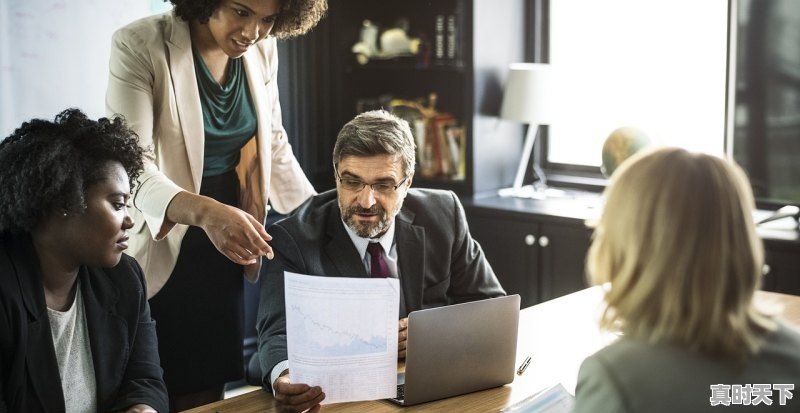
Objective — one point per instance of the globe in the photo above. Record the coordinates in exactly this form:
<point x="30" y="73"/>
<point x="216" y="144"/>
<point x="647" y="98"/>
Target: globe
<point x="620" y="145"/>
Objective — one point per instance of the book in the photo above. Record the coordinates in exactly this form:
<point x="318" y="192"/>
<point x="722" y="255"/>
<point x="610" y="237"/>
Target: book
<point x="443" y="163"/>
<point x="456" y="142"/>
<point x="451" y="39"/>
<point x="439" y="39"/>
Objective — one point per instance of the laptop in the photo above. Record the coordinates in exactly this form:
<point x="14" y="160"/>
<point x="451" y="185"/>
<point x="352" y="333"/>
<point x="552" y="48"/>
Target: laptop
<point x="459" y="349"/>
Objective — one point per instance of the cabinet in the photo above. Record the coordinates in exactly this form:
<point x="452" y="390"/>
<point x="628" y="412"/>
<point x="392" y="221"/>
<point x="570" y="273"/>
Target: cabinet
<point x="536" y="255"/>
<point x="465" y="47"/>
<point x="782" y="264"/>
<point x="538" y="248"/>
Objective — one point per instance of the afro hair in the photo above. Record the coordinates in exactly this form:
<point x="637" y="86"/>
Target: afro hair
<point x="296" y="17"/>
<point x="48" y="166"/>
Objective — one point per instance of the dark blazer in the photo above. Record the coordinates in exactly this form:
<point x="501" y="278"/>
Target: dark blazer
<point x="121" y="334"/>
<point x="438" y="261"/>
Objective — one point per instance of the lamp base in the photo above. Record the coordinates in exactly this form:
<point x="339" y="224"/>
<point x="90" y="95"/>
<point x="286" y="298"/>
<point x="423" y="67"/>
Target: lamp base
<point x="531" y="192"/>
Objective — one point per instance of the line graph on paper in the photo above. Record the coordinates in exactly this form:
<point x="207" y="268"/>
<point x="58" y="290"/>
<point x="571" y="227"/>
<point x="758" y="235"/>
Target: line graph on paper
<point x="332" y="335"/>
<point x="341" y="335"/>
<point x="339" y="321"/>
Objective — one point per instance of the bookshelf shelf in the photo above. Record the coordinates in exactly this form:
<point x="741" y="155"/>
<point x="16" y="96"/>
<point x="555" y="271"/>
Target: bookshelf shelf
<point x="464" y="48"/>
<point x="399" y="66"/>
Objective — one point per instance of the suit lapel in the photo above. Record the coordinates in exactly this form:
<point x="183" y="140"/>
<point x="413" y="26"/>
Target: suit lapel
<point x="110" y="346"/>
<point x="42" y="366"/>
<point x="411" y="257"/>
<point x="40" y="359"/>
<point x="261" y="159"/>
<point x="187" y="96"/>
<point x="340" y="249"/>
<point x="257" y="78"/>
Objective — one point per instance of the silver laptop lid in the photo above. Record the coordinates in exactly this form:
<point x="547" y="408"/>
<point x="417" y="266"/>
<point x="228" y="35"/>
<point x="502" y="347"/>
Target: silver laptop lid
<point x="461" y="348"/>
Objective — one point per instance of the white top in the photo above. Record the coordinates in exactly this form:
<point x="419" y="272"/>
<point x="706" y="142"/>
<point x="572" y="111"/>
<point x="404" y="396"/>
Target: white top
<point x="74" y="356"/>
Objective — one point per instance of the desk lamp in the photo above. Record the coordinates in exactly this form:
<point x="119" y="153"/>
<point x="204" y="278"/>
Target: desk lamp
<point x="528" y="99"/>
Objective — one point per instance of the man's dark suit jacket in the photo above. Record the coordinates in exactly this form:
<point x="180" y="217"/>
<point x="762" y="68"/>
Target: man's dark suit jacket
<point x="438" y="261"/>
<point x="121" y="334"/>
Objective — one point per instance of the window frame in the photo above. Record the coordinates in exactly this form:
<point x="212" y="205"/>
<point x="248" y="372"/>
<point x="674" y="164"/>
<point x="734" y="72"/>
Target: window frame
<point x="757" y="134"/>
<point x="537" y="50"/>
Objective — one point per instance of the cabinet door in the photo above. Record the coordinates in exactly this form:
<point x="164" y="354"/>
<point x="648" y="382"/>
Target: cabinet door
<point x="562" y="253"/>
<point x="510" y="248"/>
<point x="782" y="269"/>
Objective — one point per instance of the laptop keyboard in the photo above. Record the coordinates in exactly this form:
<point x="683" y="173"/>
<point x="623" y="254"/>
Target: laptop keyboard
<point x="401" y="392"/>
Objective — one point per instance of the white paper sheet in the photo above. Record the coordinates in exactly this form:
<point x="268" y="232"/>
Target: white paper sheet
<point x="342" y="335"/>
<point x="555" y="399"/>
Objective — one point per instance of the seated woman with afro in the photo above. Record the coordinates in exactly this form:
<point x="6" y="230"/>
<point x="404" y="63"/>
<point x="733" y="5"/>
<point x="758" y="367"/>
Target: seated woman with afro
<point x="75" y="327"/>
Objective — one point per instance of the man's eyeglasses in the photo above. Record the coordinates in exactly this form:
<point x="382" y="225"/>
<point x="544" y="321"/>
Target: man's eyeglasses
<point x="356" y="185"/>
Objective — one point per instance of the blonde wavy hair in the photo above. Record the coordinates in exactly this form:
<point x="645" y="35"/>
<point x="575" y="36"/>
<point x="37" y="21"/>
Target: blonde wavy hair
<point x="677" y="243"/>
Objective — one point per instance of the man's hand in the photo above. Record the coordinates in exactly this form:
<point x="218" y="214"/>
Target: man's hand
<point x="141" y="408"/>
<point x="402" y="338"/>
<point x="296" y="397"/>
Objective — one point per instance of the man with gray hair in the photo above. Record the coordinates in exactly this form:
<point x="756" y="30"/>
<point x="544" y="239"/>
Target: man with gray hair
<point x="372" y="225"/>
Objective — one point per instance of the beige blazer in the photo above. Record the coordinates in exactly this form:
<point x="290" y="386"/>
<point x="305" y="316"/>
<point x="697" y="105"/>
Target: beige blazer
<point x="152" y="84"/>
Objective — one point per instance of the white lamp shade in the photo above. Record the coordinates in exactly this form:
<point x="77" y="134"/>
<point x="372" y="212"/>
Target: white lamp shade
<point x="528" y="94"/>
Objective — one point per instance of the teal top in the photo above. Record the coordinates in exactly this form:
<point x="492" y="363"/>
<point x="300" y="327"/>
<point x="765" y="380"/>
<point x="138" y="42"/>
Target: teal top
<point x="229" y="117"/>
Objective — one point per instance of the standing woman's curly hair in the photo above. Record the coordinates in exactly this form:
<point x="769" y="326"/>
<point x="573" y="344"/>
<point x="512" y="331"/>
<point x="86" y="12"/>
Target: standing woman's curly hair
<point x="296" y="17"/>
<point x="47" y="166"/>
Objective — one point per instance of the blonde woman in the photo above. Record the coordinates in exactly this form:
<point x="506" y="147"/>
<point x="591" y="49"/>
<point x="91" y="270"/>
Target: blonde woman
<point x="678" y="247"/>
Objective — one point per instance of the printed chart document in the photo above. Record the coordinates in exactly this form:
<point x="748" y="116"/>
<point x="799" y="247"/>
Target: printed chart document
<point x="342" y="335"/>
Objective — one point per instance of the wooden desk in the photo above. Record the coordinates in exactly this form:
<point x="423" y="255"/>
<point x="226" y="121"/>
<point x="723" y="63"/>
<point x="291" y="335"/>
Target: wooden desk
<point x="557" y="334"/>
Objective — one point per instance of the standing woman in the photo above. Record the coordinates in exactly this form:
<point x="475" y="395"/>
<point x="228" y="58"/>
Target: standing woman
<point x="75" y="328"/>
<point x="199" y="87"/>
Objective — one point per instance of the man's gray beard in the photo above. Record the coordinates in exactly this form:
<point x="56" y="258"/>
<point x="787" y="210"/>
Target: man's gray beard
<point x="367" y="230"/>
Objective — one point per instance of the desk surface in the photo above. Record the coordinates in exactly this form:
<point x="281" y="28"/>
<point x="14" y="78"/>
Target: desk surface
<point x="557" y="334"/>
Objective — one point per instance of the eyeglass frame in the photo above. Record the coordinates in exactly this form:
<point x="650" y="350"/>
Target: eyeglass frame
<point x="371" y="186"/>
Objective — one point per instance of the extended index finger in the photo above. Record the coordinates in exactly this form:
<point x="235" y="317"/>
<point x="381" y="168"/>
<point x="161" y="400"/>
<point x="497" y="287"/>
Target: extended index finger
<point x="259" y="238"/>
<point x="259" y="227"/>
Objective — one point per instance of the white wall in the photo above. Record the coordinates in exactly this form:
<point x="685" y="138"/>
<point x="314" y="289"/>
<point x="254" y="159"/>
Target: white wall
<point x="54" y="55"/>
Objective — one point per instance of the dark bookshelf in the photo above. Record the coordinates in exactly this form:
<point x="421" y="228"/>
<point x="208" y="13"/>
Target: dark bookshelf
<point x="466" y="79"/>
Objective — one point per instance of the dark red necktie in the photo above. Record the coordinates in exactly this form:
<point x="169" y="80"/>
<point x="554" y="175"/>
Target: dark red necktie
<point x="377" y="265"/>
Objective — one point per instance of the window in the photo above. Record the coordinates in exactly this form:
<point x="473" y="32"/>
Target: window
<point x="766" y="118"/>
<point x="656" y="65"/>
